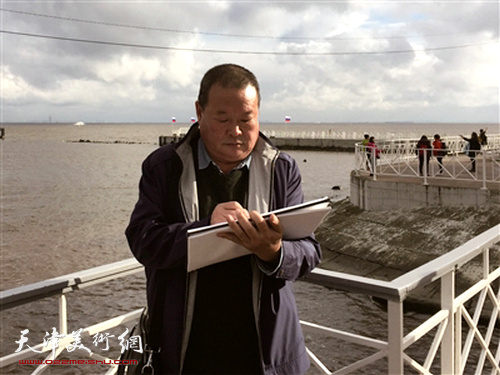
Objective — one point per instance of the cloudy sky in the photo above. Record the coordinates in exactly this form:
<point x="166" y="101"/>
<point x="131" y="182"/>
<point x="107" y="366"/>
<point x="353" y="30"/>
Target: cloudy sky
<point x="321" y="61"/>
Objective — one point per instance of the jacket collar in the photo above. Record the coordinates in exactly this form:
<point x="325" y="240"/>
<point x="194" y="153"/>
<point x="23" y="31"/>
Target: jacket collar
<point x="261" y="174"/>
<point x="204" y="158"/>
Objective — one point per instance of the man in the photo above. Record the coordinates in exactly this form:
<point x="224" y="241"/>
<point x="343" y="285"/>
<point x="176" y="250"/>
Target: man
<point x="473" y="149"/>
<point x="483" y="139"/>
<point x="364" y="143"/>
<point x="238" y="316"/>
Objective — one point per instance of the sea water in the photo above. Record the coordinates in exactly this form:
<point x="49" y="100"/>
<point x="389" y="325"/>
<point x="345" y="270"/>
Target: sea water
<point x="67" y="193"/>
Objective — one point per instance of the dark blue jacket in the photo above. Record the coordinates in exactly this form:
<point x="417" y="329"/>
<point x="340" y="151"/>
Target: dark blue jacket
<point x="167" y="208"/>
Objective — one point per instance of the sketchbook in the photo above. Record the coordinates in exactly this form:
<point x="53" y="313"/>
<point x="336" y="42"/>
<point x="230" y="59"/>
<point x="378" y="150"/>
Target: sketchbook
<point x="205" y="248"/>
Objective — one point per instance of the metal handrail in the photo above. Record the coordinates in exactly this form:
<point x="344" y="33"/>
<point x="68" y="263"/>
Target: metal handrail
<point x="399" y="158"/>
<point x="455" y="259"/>
<point x="395" y="292"/>
<point x="60" y="286"/>
<point x="397" y="289"/>
<point x="67" y="283"/>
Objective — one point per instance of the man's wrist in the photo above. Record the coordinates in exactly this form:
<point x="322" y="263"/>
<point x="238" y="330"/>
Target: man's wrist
<point x="270" y="268"/>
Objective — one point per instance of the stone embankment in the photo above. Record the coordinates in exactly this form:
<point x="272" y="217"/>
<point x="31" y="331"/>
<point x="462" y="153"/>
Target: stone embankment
<point x="386" y="244"/>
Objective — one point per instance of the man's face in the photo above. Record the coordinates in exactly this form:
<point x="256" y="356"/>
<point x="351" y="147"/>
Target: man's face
<point x="229" y="124"/>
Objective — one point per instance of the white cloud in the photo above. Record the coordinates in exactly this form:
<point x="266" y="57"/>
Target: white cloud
<point x="13" y="87"/>
<point x="127" y="68"/>
<point x="38" y="75"/>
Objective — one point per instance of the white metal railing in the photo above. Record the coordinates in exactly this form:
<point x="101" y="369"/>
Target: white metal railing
<point x="401" y="158"/>
<point x="493" y="139"/>
<point x="325" y="134"/>
<point x="449" y="323"/>
<point x="61" y="286"/>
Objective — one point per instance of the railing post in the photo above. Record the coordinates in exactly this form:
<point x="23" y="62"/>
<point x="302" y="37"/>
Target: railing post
<point x="455" y="159"/>
<point x="395" y="337"/>
<point x="374" y="162"/>
<point x="450" y="348"/>
<point x="484" y="167"/>
<point x="63" y="315"/>
<point x="486" y="263"/>
<point x="357" y="158"/>
<point x="426" y="167"/>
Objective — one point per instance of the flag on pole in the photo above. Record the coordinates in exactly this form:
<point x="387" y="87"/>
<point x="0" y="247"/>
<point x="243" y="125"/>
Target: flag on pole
<point x="288" y="119"/>
<point x="174" y="119"/>
<point x="193" y="119"/>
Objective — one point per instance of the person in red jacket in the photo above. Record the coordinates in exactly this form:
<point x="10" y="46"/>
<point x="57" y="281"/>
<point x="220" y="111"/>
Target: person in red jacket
<point x="439" y="151"/>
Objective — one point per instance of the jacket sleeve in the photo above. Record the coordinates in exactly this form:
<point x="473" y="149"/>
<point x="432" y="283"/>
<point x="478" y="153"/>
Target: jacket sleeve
<point x="157" y="230"/>
<point x="299" y="256"/>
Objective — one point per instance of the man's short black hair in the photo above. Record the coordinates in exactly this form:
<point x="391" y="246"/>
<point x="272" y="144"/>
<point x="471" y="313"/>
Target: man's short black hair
<point x="228" y="76"/>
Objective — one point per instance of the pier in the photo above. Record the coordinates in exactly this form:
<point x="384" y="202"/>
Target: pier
<point x="394" y="181"/>
<point x="292" y="143"/>
<point x="294" y="140"/>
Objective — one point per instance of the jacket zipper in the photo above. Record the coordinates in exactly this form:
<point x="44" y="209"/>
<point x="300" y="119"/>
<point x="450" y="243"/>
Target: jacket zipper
<point x="257" y="317"/>
<point x="186" y="295"/>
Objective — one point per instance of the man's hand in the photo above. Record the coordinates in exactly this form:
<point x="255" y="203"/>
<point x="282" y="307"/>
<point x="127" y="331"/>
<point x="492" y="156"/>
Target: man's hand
<point x="223" y="211"/>
<point x="261" y="237"/>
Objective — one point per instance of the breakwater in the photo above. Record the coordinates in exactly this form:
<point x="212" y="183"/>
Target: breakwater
<point x="291" y="143"/>
<point x="385" y="244"/>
